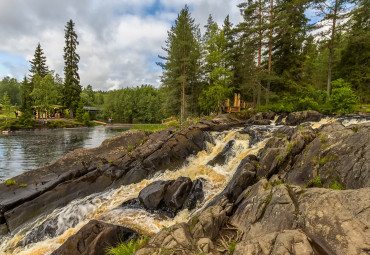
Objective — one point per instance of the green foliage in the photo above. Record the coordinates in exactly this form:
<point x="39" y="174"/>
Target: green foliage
<point x="12" y="88"/>
<point x="134" y="105"/>
<point x="316" y="182"/>
<point x="335" y="185"/>
<point x="44" y="93"/>
<point x="6" y="106"/>
<point x="23" y="185"/>
<point x="86" y="119"/>
<point x="127" y="248"/>
<point x="232" y="246"/>
<point x="343" y="99"/>
<point x="355" y="129"/>
<point x="10" y="182"/>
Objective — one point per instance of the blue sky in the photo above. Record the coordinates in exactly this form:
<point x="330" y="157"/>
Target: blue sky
<point x="119" y="39"/>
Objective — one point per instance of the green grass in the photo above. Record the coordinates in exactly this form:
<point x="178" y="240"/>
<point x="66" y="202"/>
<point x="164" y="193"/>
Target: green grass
<point x="336" y="185"/>
<point x="232" y="246"/>
<point x="128" y="248"/>
<point x="150" y="127"/>
<point x="316" y="182"/>
<point x="23" y="185"/>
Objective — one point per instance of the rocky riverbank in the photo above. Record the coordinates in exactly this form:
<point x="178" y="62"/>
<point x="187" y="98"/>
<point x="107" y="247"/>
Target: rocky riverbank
<point x="281" y="201"/>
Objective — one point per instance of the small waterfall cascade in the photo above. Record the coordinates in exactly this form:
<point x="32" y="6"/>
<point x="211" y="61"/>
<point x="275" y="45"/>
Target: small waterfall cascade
<point x="48" y="232"/>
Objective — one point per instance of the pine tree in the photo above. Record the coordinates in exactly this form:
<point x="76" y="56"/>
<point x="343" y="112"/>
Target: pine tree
<point x="355" y="58"/>
<point x="181" y="73"/>
<point x="72" y="87"/>
<point x="333" y="11"/>
<point x="38" y="63"/>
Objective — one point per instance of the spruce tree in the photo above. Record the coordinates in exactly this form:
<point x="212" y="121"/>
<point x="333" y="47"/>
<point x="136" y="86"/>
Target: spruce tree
<point x="38" y="63"/>
<point x="181" y="72"/>
<point x="26" y="102"/>
<point x="72" y="87"/>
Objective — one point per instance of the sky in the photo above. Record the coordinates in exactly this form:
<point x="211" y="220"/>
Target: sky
<point x="119" y="40"/>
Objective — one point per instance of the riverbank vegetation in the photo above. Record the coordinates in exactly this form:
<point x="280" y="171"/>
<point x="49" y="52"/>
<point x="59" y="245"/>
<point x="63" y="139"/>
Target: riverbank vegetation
<point x="276" y="59"/>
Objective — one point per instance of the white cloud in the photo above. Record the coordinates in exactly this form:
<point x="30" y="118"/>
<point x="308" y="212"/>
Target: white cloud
<point x="119" y="39"/>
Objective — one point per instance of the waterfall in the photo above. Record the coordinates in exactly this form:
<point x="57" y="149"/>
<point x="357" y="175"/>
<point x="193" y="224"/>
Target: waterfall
<point x="48" y="232"/>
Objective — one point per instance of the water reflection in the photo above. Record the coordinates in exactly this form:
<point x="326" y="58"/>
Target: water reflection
<point x="26" y="150"/>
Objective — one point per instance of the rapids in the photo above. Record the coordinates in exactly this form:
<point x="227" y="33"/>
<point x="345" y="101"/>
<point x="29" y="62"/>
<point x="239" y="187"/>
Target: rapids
<point x="48" y="232"/>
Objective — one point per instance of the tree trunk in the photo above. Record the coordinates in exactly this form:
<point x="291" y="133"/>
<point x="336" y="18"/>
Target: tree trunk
<point x="331" y="48"/>
<point x="259" y="53"/>
<point x="270" y="53"/>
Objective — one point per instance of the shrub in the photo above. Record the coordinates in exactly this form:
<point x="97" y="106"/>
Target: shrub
<point x="342" y="99"/>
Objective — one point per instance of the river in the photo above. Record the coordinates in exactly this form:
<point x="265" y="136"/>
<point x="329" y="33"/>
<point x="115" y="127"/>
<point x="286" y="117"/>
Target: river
<point x="22" y="151"/>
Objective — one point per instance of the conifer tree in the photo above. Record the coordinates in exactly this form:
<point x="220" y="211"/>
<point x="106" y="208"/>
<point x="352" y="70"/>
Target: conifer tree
<point x="38" y="63"/>
<point x="333" y="11"/>
<point x="181" y="65"/>
<point x="72" y="87"/>
<point x="355" y="60"/>
<point x="26" y="102"/>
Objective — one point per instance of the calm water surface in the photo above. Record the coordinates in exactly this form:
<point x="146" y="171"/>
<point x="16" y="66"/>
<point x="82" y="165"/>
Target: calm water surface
<point x="26" y="150"/>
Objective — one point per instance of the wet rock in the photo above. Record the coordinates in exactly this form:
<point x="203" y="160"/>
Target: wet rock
<point x="243" y="177"/>
<point x="169" y="196"/>
<point x="3" y="229"/>
<point x="296" y="118"/>
<point x="256" y="134"/>
<point x="177" y="193"/>
<point x="261" y="118"/>
<point x="196" y="194"/>
<point x="221" y="157"/>
<point x="94" y="238"/>
<point x="152" y="195"/>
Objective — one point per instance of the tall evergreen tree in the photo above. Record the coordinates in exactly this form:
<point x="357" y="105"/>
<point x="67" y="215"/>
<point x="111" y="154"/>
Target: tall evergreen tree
<point x="333" y="11"/>
<point x="289" y="40"/>
<point x="72" y="87"/>
<point x="38" y="63"/>
<point x="355" y="58"/>
<point x="181" y="72"/>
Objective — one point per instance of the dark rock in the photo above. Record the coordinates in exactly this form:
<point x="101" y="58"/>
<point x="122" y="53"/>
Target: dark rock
<point x="196" y="194"/>
<point x="152" y="195"/>
<point x="244" y="176"/>
<point x="3" y="229"/>
<point x="338" y="154"/>
<point x="177" y="192"/>
<point x="256" y="134"/>
<point x="168" y="197"/>
<point x="132" y="204"/>
<point x="296" y="118"/>
<point x="94" y="238"/>
<point x="221" y="157"/>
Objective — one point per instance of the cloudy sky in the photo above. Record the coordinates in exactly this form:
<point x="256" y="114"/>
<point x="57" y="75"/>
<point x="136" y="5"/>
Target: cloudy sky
<point x="119" y="39"/>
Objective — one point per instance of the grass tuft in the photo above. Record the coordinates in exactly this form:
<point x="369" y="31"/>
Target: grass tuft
<point x="128" y="248"/>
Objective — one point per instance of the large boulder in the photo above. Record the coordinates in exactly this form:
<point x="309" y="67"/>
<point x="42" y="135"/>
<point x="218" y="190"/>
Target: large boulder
<point x="169" y="197"/>
<point x="94" y="238"/>
<point x="296" y="118"/>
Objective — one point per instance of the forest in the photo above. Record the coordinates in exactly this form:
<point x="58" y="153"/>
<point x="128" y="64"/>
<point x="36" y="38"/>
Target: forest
<point x="286" y="55"/>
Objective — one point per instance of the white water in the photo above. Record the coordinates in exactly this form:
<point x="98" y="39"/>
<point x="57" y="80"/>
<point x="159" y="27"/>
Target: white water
<point x="68" y="220"/>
